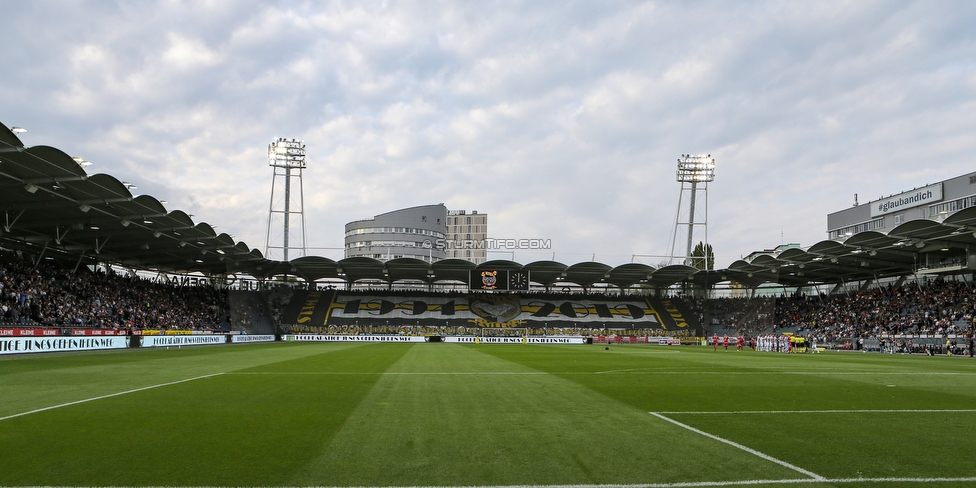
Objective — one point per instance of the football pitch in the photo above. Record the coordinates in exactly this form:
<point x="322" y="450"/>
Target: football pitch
<point x="354" y="414"/>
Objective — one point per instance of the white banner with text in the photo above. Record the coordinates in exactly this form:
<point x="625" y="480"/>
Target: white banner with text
<point x="22" y="345"/>
<point x="187" y="340"/>
<point x="515" y="340"/>
<point x="357" y="338"/>
<point x="239" y="339"/>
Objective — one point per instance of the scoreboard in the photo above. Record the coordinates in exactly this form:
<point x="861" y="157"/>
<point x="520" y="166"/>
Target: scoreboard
<point x="499" y="280"/>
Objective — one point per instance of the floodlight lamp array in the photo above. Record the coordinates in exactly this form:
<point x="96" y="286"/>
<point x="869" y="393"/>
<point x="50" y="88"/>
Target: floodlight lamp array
<point x="284" y="153"/>
<point x="696" y="169"/>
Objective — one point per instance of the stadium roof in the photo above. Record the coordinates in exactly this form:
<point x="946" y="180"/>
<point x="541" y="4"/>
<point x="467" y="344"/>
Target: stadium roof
<point x="53" y="208"/>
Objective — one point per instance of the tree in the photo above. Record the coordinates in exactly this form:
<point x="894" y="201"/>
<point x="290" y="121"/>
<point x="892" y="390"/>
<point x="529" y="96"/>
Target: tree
<point x="703" y="257"/>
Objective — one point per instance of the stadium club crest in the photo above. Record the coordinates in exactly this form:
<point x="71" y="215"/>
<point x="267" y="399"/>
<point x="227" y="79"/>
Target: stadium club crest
<point x="495" y="308"/>
<point x="489" y="279"/>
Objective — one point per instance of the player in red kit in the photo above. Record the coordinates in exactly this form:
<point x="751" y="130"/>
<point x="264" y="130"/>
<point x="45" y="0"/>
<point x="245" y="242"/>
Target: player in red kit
<point x="714" y="342"/>
<point x="725" y="341"/>
<point x="739" y="342"/>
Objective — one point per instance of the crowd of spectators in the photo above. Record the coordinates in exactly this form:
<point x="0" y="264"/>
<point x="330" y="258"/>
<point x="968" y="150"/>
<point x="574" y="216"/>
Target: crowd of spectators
<point x="935" y="307"/>
<point x="49" y="295"/>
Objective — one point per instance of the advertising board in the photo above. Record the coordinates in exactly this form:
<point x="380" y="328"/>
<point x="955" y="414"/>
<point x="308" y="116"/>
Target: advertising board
<point x="24" y="345"/>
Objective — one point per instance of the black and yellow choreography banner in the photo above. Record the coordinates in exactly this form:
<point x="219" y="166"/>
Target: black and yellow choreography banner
<point x="330" y="312"/>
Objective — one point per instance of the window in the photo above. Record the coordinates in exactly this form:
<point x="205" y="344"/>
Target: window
<point x="423" y="218"/>
<point x="953" y="206"/>
<point x="854" y="229"/>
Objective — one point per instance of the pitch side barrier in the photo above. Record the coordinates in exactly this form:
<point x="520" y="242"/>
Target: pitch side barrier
<point x="448" y="339"/>
<point x="29" y="344"/>
<point x="201" y="340"/>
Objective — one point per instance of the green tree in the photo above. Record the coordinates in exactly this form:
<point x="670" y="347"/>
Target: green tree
<point x="703" y="257"/>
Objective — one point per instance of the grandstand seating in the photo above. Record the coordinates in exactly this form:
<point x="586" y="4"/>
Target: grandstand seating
<point x="50" y="296"/>
<point x="885" y="318"/>
<point x="249" y="312"/>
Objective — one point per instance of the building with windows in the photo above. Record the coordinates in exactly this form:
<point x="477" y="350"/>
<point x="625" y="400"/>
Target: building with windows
<point x="413" y="232"/>
<point x="467" y="236"/>
<point x="428" y="232"/>
<point x="933" y="202"/>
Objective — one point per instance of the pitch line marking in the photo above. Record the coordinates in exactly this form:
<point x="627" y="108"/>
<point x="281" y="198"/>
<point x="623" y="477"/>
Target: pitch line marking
<point x="759" y="412"/>
<point x="805" y="373"/>
<point x="688" y="484"/>
<point x="754" y="452"/>
<point x="110" y="395"/>
<point x="634" y="372"/>
<point x="393" y="373"/>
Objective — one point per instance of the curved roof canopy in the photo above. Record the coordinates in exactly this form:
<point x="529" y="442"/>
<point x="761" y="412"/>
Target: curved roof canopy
<point x="49" y="205"/>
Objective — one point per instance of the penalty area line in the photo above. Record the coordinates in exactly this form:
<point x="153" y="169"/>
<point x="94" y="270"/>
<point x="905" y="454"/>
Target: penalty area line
<point x="110" y="395"/>
<point x="754" y="452"/>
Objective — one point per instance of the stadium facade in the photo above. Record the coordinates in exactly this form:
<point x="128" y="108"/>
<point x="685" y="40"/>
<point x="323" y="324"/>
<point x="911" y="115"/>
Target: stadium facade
<point x="932" y="202"/>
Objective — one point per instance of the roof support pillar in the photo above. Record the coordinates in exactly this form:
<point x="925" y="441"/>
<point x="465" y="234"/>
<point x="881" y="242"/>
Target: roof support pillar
<point x="8" y="223"/>
<point x="901" y="281"/>
<point x="41" y="255"/>
<point x="80" y="258"/>
<point x="868" y="282"/>
<point x="836" y="288"/>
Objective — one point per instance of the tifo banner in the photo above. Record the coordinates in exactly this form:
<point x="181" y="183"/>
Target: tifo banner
<point x="22" y="332"/>
<point x="239" y="339"/>
<point x="182" y="340"/>
<point x="22" y="345"/>
<point x="343" y="338"/>
<point x="337" y="312"/>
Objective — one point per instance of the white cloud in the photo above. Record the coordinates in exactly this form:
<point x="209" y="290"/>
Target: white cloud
<point x="560" y="123"/>
<point x="186" y="53"/>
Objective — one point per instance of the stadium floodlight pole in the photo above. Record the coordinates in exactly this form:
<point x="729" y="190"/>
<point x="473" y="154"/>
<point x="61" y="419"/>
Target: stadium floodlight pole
<point x="693" y="169"/>
<point x="287" y="155"/>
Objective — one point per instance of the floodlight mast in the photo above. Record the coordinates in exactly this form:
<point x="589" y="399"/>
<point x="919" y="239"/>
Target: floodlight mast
<point x="286" y="155"/>
<point x="692" y="170"/>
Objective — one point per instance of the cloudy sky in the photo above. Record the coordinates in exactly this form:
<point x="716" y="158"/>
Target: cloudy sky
<point x="561" y="120"/>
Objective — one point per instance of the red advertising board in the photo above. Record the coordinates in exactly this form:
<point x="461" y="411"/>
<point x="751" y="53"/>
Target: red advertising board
<point x="21" y="332"/>
<point x="97" y="332"/>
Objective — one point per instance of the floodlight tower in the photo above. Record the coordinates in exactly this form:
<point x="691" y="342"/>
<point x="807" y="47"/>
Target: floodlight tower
<point x="287" y="157"/>
<point x="692" y="170"/>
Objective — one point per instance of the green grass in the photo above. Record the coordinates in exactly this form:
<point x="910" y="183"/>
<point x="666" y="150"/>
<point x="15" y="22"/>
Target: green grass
<point x="475" y="415"/>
